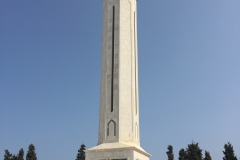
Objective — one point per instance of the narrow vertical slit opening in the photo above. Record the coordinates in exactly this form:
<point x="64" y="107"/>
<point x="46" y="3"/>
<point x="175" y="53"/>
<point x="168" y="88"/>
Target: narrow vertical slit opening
<point x="112" y="81"/>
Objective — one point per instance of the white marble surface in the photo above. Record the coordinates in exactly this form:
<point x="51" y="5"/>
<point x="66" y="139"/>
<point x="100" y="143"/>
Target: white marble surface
<point x="119" y="136"/>
<point x="125" y="92"/>
<point x="116" y="151"/>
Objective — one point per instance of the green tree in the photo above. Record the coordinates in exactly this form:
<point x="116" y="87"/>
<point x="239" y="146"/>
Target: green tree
<point x="81" y="153"/>
<point x="20" y="154"/>
<point x="14" y="157"/>
<point x="229" y="152"/>
<point x="7" y="155"/>
<point x="207" y="156"/>
<point x="193" y="152"/>
<point x="170" y="153"/>
<point x="31" y="155"/>
<point x="182" y="154"/>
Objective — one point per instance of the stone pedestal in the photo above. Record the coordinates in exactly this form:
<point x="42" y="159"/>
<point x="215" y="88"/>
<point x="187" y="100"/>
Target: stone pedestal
<point x="116" y="151"/>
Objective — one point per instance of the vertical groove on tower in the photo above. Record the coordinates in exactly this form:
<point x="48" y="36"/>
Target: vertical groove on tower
<point x="112" y="81"/>
<point x="135" y="57"/>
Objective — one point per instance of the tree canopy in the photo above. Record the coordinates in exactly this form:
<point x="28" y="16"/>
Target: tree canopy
<point x="207" y="156"/>
<point x="192" y="152"/>
<point x="81" y="153"/>
<point x="170" y="153"/>
<point x="7" y="155"/>
<point x="229" y="152"/>
<point x="31" y="155"/>
<point x="182" y="154"/>
<point x="21" y="154"/>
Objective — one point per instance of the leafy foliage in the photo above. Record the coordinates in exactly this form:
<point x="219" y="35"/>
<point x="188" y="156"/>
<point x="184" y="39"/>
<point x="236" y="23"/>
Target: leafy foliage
<point x="21" y="154"/>
<point x="170" y="153"/>
<point x="31" y="155"/>
<point x="182" y="154"/>
<point x="192" y="152"/>
<point x="207" y="156"/>
<point x="7" y="155"/>
<point x="14" y="157"/>
<point x="81" y="153"/>
<point x="229" y="152"/>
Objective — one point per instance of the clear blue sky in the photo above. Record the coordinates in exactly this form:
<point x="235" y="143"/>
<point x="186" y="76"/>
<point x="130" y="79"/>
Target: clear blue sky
<point x="189" y="75"/>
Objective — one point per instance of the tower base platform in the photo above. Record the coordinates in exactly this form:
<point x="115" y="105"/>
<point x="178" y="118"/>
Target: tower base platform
<point x="116" y="151"/>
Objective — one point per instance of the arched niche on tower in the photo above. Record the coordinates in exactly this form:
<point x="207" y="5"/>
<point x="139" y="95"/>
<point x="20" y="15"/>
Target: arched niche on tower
<point x="111" y="128"/>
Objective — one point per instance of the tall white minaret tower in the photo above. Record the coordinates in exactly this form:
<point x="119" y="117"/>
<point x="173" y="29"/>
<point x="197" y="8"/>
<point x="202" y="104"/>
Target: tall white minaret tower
<point x="119" y="136"/>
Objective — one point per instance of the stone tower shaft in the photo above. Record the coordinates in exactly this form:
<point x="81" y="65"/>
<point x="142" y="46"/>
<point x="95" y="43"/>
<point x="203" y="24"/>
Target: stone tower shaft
<point x="119" y="113"/>
<point x="118" y="137"/>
